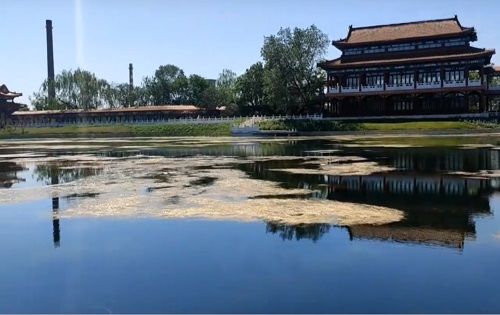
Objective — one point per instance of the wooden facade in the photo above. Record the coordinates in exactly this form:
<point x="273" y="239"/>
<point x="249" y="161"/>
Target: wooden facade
<point x="416" y="68"/>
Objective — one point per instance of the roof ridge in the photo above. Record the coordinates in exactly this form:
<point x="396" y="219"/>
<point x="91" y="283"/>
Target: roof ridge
<point x="405" y="23"/>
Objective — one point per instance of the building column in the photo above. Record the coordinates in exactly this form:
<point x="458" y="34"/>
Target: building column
<point x="362" y="80"/>
<point x="442" y="76"/>
<point x="482" y="102"/>
<point x="415" y="78"/>
<point x="467" y="95"/>
<point x="466" y="75"/>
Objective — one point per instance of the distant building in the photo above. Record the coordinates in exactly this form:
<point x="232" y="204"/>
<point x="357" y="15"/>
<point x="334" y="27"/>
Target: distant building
<point x="7" y="104"/>
<point x="416" y="68"/>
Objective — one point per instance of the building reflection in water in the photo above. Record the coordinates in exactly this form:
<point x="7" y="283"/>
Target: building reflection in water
<point x="8" y="174"/>
<point x="439" y="205"/>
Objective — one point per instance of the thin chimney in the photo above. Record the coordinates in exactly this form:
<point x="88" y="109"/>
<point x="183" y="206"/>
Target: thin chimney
<point x="131" y="75"/>
<point x="50" y="62"/>
<point x="131" y="85"/>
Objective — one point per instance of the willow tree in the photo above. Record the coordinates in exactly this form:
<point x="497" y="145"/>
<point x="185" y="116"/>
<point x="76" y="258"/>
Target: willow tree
<point x="79" y="89"/>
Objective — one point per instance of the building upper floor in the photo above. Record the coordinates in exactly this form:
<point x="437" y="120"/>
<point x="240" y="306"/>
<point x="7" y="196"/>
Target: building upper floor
<point x="404" y="37"/>
<point x="430" y="54"/>
<point x="444" y="77"/>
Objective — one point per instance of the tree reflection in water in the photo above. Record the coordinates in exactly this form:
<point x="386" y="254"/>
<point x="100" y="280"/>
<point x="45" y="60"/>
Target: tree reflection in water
<point x="313" y="232"/>
<point x="62" y="172"/>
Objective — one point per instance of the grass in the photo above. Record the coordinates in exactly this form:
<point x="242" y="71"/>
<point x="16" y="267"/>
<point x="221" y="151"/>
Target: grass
<point x="342" y="126"/>
<point x="430" y="141"/>
<point x="308" y="125"/>
<point x="421" y="125"/>
<point x="223" y="129"/>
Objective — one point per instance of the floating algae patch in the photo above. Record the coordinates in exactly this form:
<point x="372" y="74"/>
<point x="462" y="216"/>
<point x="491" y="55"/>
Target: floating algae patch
<point x="346" y="169"/>
<point x="127" y="188"/>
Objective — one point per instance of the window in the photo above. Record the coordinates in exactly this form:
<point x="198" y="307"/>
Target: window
<point x="429" y="105"/>
<point x="401" y="78"/>
<point x="372" y="80"/>
<point x="350" y="52"/>
<point x="401" y="47"/>
<point x="403" y="105"/>
<point x="352" y="81"/>
<point x="429" y="77"/>
<point x="374" y="49"/>
<point x="454" y="75"/>
<point x="449" y="44"/>
<point x="430" y="45"/>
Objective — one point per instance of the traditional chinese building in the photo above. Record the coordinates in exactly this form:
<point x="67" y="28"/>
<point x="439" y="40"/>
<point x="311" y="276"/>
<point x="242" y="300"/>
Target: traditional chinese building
<point x="7" y="104"/>
<point x="416" y="68"/>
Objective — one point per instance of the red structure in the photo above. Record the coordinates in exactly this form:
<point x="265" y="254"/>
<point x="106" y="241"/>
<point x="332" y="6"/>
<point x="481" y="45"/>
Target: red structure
<point x="415" y="68"/>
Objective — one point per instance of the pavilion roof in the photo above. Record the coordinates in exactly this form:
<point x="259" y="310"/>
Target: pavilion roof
<point x="5" y="93"/>
<point x="403" y="31"/>
<point x="409" y="57"/>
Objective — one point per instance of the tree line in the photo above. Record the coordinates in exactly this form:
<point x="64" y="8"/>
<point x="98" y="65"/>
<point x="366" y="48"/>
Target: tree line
<point x="286" y="81"/>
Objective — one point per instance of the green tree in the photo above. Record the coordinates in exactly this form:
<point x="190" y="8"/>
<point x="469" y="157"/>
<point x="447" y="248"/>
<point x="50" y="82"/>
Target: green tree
<point x="211" y="98"/>
<point x="167" y="85"/>
<point x="250" y="88"/>
<point x="291" y="75"/>
<point x="79" y="89"/>
<point x="226" y="86"/>
<point x="196" y="86"/>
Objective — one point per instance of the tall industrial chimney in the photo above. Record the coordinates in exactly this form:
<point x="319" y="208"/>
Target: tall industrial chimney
<point x="131" y="75"/>
<point x="131" y="84"/>
<point x="50" y="61"/>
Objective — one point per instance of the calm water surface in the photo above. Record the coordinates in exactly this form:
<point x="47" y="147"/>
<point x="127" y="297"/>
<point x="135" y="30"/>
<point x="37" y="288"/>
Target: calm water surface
<point x="442" y="257"/>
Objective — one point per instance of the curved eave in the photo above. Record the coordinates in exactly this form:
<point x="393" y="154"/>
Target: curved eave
<point x="10" y="95"/>
<point x="487" y="53"/>
<point x="343" y="43"/>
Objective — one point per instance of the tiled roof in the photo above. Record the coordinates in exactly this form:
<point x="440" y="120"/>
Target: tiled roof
<point x="391" y="59"/>
<point x="392" y="32"/>
<point x="170" y="108"/>
<point x="405" y="234"/>
<point x="4" y="92"/>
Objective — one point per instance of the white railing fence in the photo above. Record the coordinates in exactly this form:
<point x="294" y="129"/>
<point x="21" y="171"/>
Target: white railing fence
<point x="107" y="121"/>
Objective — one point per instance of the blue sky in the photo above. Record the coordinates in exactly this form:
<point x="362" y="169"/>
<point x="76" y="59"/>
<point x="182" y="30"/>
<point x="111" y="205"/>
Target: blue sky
<point x="199" y="36"/>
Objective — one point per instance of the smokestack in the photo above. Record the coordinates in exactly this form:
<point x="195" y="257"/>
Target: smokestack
<point x="50" y="61"/>
<point x="131" y="75"/>
<point x="131" y="83"/>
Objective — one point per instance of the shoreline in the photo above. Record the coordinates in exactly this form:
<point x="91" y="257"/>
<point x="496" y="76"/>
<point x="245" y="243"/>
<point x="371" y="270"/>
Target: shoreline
<point x="307" y="134"/>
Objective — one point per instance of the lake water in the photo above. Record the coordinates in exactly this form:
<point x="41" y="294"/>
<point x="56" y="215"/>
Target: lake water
<point x="248" y="226"/>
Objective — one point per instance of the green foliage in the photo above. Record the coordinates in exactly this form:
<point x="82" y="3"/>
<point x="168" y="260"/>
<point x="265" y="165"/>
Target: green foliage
<point x="420" y="125"/>
<point x="308" y="125"/>
<point x="490" y="124"/>
<point x="292" y="81"/>
<point x="287" y="81"/>
<point x="250" y="89"/>
<point x="79" y="89"/>
<point x="222" y="129"/>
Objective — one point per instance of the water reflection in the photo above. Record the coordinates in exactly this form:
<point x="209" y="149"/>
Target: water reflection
<point x="439" y="200"/>
<point x="439" y="207"/>
<point x="8" y="174"/>
<point x="62" y="172"/>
